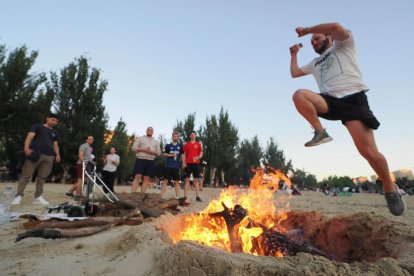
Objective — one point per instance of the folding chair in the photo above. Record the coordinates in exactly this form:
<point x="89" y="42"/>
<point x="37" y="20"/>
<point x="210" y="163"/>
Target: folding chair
<point x="94" y="181"/>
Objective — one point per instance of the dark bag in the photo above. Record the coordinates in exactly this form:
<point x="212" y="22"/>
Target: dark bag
<point x="34" y="156"/>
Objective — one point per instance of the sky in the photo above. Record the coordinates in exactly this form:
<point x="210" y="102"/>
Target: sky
<point x="166" y="59"/>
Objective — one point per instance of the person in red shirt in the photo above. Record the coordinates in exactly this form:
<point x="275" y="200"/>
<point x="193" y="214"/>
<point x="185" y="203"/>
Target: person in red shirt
<point x="193" y="152"/>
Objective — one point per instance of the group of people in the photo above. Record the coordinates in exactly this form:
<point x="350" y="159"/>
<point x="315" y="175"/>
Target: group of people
<point x="187" y="156"/>
<point x="87" y="159"/>
<point x="342" y="96"/>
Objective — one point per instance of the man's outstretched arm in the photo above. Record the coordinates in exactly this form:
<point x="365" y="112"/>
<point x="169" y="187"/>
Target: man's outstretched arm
<point x="336" y="30"/>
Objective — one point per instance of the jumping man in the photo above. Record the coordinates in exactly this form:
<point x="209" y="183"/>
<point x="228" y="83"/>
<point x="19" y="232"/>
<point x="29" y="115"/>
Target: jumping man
<point x="342" y="97"/>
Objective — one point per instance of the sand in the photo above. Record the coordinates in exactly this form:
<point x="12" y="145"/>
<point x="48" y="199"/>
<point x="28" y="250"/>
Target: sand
<point x="144" y="250"/>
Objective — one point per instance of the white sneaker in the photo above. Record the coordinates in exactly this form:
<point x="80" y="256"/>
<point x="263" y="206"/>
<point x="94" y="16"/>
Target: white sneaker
<point x="17" y="200"/>
<point x="40" y="200"/>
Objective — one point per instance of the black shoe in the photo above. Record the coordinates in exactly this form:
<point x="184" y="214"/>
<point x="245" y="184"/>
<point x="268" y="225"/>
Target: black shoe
<point x="69" y="194"/>
<point x="199" y="199"/>
<point x="78" y="198"/>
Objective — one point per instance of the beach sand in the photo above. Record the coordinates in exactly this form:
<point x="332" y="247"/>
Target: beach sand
<point x="144" y="250"/>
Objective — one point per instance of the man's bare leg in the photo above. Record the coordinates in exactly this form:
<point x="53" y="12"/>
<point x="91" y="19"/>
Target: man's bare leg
<point x="145" y="184"/>
<point x="177" y="188"/>
<point x="365" y="142"/>
<point x="196" y="186"/>
<point x="201" y="184"/>
<point x="186" y="186"/>
<point x="79" y="187"/>
<point x="164" y="187"/>
<point x="135" y="183"/>
<point x="309" y="104"/>
<point x="73" y="187"/>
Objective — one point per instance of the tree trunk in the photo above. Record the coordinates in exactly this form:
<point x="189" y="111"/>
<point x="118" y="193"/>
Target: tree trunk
<point x="212" y="176"/>
<point x="222" y="178"/>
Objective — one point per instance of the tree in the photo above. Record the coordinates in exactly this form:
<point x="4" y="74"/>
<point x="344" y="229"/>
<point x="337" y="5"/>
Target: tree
<point x="159" y="161"/>
<point x="210" y="137"/>
<point x="275" y="157"/>
<point x="23" y="101"/>
<point x="249" y="154"/>
<point x="304" y="180"/>
<point x="335" y="181"/>
<point x="228" y="140"/>
<point x="79" y="91"/>
<point x="185" y="127"/>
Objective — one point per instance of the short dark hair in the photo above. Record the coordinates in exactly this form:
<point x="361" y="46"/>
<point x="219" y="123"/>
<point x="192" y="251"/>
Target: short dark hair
<point x="53" y="115"/>
<point x="193" y="131"/>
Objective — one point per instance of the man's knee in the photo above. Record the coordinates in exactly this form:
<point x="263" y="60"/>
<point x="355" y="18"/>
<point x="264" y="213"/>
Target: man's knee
<point x="299" y="95"/>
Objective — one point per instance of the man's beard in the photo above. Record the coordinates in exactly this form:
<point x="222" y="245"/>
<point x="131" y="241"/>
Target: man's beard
<point x="324" y="46"/>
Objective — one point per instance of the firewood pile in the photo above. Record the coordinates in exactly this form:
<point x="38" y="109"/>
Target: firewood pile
<point x="150" y="205"/>
<point x="132" y="209"/>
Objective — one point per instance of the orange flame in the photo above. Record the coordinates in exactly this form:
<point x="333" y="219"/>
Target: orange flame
<point x="260" y="202"/>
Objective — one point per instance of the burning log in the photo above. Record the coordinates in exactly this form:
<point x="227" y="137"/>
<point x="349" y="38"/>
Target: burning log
<point x="232" y="217"/>
<point x="269" y="243"/>
<point x="48" y="233"/>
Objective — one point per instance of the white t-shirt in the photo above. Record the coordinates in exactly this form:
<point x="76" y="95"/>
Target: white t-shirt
<point x="336" y="71"/>
<point x="109" y="166"/>
<point x="146" y="142"/>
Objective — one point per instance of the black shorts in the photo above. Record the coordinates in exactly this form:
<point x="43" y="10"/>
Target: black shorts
<point x="172" y="174"/>
<point x="192" y="169"/>
<point x="350" y="108"/>
<point x="144" y="167"/>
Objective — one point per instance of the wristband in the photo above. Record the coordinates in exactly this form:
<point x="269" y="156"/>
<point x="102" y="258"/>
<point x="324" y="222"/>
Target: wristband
<point x="305" y="31"/>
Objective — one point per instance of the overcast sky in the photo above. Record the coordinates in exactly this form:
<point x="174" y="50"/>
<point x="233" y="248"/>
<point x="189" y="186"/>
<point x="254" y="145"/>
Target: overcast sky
<point x="166" y="59"/>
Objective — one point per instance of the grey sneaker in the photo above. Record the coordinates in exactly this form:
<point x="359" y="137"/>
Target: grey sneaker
<point x="395" y="202"/>
<point x="319" y="138"/>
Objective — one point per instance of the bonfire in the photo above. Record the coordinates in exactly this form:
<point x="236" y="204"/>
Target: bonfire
<point x="246" y="220"/>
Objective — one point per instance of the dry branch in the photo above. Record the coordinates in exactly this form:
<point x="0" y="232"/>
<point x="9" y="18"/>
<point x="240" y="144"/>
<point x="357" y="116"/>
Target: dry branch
<point x="76" y="233"/>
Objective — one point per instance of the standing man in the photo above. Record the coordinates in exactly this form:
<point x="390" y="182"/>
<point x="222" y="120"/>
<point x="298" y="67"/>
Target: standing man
<point x="173" y="152"/>
<point x="111" y="164"/>
<point x="84" y="154"/>
<point x="193" y="152"/>
<point x="147" y="148"/>
<point x="41" y="149"/>
<point x="342" y="97"/>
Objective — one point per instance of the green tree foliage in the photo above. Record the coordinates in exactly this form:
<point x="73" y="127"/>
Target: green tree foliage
<point x="159" y="161"/>
<point x="335" y="181"/>
<point x="304" y="180"/>
<point x="185" y="127"/>
<point x="228" y="140"/>
<point x="210" y="138"/>
<point x="23" y="101"/>
<point x="275" y="157"/>
<point x="249" y="155"/>
<point x="79" y="91"/>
